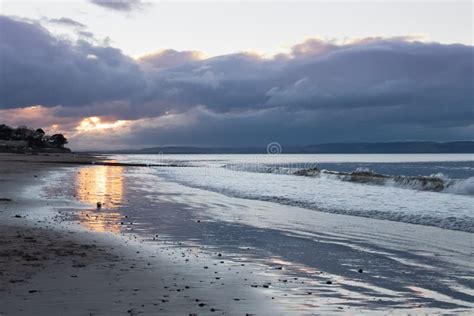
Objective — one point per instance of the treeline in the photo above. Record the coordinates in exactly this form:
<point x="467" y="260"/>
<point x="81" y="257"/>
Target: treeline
<point x="30" y="138"/>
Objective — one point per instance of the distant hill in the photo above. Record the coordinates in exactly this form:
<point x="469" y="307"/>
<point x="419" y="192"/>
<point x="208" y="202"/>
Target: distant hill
<point x="333" y="148"/>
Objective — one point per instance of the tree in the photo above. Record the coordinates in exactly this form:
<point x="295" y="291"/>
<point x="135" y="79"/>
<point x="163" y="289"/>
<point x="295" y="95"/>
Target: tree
<point x="5" y="132"/>
<point x="39" y="133"/>
<point x="37" y="139"/>
<point x="22" y="133"/>
<point x="58" y="140"/>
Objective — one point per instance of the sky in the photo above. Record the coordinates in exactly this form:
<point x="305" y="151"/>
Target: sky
<point x="132" y="74"/>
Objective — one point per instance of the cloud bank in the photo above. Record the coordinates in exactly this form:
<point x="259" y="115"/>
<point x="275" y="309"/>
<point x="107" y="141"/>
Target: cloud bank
<point x="374" y="89"/>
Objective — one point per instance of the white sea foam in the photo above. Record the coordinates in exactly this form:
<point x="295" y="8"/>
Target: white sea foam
<point x="435" y="182"/>
<point x="411" y="199"/>
<point x="333" y="195"/>
<point x="458" y="186"/>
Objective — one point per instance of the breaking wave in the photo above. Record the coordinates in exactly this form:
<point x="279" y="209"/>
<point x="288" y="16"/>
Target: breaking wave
<point x="434" y="183"/>
<point x="458" y="186"/>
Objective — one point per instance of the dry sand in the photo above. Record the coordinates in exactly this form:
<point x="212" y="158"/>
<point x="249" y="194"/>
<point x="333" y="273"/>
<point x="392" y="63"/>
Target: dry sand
<point x="52" y="269"/>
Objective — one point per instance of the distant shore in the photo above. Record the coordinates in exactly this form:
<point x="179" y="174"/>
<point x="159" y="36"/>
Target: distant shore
<point x="414" y="147"/>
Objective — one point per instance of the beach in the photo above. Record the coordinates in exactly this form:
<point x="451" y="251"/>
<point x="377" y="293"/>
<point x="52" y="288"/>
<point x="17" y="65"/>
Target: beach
<point x="50" y="269"/>
<point x="158" y="247"/>
<point x="310" y="158"/>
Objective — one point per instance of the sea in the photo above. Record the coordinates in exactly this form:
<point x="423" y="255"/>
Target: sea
<point x="405" y="220"/>
<point x="425" y="189"/>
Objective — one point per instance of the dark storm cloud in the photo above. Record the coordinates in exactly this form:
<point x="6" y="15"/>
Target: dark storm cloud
<point x="372" y="89"/>
<point x="37" y="68"/>
<point x="422" y="83"/>
<point x="119" y="5"/>
<point x="201" y="127"/>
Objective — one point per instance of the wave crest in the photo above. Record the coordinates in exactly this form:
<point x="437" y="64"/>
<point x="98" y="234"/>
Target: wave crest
<point x="435" y="183"/>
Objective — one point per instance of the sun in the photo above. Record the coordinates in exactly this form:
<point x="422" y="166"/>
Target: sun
<point x="95" y="123"/>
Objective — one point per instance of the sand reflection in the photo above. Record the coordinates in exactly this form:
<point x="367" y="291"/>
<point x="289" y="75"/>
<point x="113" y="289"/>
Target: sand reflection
<point x="101" y="184"/>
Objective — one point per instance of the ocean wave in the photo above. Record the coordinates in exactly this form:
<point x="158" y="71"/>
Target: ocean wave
<point x="435" y="183"/>
<point x="386" y="197"/>
<point x="457" y="186"/>
<point x="460" y="223"/>
<point x="407" y="209"/>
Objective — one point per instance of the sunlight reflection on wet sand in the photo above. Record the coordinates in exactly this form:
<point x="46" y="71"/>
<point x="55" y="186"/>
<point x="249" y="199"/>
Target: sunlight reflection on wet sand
<point x="102" y="184"/>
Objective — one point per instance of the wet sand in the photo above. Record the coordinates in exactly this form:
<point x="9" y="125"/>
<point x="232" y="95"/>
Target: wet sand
<point x="49" y="268"/>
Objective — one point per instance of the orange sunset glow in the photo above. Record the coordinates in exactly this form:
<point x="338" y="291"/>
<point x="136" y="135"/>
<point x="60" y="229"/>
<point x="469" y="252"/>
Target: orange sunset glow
<point x="95" y="123"/>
